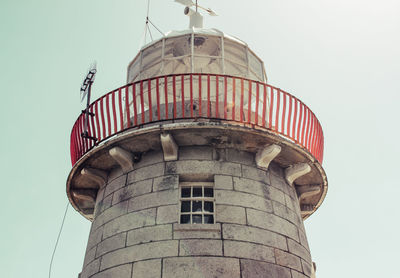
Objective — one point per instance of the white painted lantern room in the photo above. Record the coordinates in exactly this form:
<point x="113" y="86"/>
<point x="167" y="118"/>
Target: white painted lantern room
<point x="196" y="50"/>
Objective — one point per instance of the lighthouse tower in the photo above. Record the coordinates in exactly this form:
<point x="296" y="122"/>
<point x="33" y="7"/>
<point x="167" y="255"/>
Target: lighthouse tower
<point x="197" y="167"/>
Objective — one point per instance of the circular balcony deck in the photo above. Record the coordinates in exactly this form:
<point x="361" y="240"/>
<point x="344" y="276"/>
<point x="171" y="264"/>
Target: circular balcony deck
<point x="254" y="113"/>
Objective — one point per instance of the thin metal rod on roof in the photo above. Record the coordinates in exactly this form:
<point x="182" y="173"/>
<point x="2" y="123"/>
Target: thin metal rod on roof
<point x="156" y="27"/>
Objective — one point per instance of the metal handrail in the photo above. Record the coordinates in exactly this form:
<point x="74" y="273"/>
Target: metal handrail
<point x="193" y="96"/>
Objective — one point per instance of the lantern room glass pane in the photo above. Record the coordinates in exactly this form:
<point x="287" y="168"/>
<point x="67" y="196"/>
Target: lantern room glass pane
<point x="151" y="55"/>
<point x="235" y="52"/>
<point x="207" y="65"/>
<point x="180" y="46"/>
<point x="235" y="69"/>
<point x="133" y="70"/>
<point x="207" y="45"/>
<point x="255" y="65"/>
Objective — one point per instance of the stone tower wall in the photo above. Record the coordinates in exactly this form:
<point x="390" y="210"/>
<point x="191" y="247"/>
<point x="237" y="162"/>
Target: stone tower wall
<point x="258" y="231"/>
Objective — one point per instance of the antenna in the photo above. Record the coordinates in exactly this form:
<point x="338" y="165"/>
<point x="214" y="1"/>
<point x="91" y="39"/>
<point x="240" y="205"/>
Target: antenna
<point x="147" y="27"/>
<point x="86" y="92"/>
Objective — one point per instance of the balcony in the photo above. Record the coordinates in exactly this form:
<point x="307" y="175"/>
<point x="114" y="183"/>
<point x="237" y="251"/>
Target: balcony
<point x="199" y="97"/>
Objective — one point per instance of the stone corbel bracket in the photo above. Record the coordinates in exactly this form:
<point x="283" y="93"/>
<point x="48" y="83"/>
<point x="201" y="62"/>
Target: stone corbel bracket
<point x="303" y="192"/>
<point x="123" y="158"/>
<point x="266" y="155"/>
<point x="295" y="171"/>
<point x="170" y="148"/>
<point x="86" y="195"/>
<point x="95" y="175"/>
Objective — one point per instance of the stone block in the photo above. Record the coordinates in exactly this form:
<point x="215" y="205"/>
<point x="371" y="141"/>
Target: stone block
<point x="248" y="250"/>
<point x="288" y="260"/>
<point x="200" y="247"/>
<point x="201" y="267"/>
<point x="149" y="158"/>
<point x="130" y="221"/>
<point x="151" y="250"/>
<point x="95" y="237"/>
<point x="206" y="231"/>
<point x="203" y="167"/>
<point x="257" y="269"/>
<point x="284" y="212"/>
<point x="289" y="202"/>
<point x="147" y="269"/>
<point x="303" y="240"/>
<point x="272" y="223"/>
<point x="100" y="195"/>
<point x="233" y="198"/>
<point x="147" y="172"/>
<point x="111" y="244"/>
<point x="115" y="185"/>
<point x="156" y="199"/>
<point x="307" y="267"/>
<point x="166" y="183"/>
<point x="253" y="173"/>
<point x="230" y="214"/>
<point x="277" y="195"/>
<point x="280" y="183"/>
<point x="223" y="182"/>
<point x="114" y="173"/>
<point x="251" y="186"/>
<point x="132" y="190"/>
<point x="90" y="269"/>
<point x="111" y="213"/>
<point x="167" y="214"/>
<point x="148" y="234"/>
<point x="195" y="153"/>
<point x="296" y="274"/>
<point x="275" y="169"/>
<point x="299" y="250"/>
<point x="89" y="256"/>
<point x="254" y="235"/>
<point x="241" y="157"/>
<point x="106" y="203"/>
<point x="122" y="271"/>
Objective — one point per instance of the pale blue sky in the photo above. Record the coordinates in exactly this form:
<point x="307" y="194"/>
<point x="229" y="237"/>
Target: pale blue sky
<point x="340" y="57"/>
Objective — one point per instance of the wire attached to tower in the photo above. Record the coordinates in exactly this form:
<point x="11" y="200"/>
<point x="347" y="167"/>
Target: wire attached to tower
<point x="58" y="238"/>
<point x="147" y="27"/>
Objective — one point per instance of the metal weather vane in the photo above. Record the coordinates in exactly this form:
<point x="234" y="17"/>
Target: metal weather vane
<point x="190" y="3"/>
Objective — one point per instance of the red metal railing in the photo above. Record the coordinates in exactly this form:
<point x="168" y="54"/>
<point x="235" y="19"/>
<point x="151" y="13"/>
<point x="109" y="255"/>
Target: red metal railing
<point x="199" y="96"/>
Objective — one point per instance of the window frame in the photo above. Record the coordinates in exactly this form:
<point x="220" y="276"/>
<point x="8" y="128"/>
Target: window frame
<point x="202" y="198"/>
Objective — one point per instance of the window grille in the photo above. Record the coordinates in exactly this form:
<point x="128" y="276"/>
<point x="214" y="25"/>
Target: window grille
<point x="197" y="203"/>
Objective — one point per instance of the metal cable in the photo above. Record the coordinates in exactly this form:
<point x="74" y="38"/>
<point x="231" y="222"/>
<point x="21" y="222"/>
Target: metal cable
<point x="58" y="238"/>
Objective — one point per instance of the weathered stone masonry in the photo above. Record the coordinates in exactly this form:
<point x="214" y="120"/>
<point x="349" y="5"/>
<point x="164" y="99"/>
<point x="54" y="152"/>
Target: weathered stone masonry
<point x="258" y="230"/>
